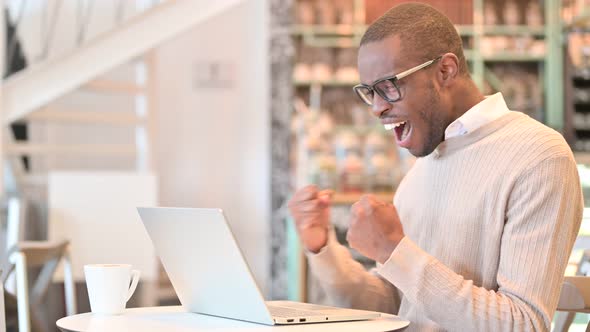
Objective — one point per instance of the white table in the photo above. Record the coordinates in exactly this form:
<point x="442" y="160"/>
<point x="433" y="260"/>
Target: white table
<point x="175" y="318"/>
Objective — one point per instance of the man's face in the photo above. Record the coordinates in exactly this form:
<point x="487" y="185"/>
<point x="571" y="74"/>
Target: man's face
<point x="420" y="110"/>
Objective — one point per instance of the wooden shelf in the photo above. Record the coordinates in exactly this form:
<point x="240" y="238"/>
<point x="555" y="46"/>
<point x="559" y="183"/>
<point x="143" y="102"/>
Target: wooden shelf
<point x="340" y="198"/>
<point x="343" y="30"/>
<point x="470" y="55"/>
<point x="502" y="30"/>
<point x="328" y="83"/>
<point x="514" y="30"/>
<point x="511" y="57"/>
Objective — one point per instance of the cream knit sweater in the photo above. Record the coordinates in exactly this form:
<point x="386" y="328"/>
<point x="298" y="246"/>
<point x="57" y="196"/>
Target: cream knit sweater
<point x="490" y="219"/>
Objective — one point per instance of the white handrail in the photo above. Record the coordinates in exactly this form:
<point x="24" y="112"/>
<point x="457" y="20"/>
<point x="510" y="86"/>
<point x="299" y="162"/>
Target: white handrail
<point x="34" y="87"/>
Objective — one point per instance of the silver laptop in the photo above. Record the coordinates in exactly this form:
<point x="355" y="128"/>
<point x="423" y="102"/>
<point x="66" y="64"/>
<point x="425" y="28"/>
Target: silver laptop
<point x="210" y="275"/>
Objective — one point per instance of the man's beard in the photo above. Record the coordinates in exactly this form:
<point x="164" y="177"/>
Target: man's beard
<point x="435" y="123"/>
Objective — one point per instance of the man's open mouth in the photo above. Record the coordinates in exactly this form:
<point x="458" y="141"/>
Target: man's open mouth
<point x="401" y="129"/>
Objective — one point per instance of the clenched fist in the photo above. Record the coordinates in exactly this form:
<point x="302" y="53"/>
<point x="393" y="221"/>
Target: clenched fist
<point x="375" y="228"/>
<point x="310" y="208"/>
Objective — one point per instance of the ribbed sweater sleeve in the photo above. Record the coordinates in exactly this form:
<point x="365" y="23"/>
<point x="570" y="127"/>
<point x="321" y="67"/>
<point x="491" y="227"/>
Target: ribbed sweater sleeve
<point x="348" y="284"/>
<point x="535" y="245"/>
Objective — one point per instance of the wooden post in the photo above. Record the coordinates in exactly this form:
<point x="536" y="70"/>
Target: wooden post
<point x="554" y="81"/>
<point x="477" y="59"/>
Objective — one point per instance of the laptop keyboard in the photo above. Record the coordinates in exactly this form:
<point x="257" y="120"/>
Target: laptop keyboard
<point x="291" y="312"/>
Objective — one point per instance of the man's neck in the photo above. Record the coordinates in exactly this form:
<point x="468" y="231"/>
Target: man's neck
<point x="469" y="97"/>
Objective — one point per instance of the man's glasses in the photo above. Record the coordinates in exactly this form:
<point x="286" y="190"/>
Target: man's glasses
<point x="386" y="87"/>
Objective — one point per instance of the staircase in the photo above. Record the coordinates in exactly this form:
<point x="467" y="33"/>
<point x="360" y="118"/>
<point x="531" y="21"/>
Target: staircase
<point x="31" y="94"/>
<point x="52" y="96"/>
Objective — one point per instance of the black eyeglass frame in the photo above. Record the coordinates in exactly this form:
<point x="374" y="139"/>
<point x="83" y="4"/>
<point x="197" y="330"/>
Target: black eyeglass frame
<point x="393" y="79"/>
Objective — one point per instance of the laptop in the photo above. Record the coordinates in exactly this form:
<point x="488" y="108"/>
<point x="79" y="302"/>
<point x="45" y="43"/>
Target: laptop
<point x="210" y="276"/>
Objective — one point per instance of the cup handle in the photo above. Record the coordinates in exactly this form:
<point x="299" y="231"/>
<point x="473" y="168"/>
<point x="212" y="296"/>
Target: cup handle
<point x="134" y="280"/>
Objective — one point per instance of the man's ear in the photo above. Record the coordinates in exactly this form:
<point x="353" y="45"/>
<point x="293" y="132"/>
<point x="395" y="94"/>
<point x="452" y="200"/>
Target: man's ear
<point x="448" y="68"/>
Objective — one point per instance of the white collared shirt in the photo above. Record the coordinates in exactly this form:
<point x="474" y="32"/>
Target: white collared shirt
<point x="484" y="112"/>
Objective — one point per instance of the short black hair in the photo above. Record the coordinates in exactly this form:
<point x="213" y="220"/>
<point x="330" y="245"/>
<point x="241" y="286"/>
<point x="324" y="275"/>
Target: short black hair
<point x="424" y="31"/>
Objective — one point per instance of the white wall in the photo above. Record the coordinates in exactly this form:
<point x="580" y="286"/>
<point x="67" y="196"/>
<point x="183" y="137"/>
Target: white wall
<point x="213" y="142"/>
<point x="212" y="147"/>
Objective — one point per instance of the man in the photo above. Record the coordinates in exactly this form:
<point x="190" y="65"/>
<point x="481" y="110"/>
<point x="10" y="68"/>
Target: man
<point x="481" y="227"/>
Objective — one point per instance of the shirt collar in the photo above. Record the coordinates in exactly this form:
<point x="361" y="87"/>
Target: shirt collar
<point x="486" y="111"/>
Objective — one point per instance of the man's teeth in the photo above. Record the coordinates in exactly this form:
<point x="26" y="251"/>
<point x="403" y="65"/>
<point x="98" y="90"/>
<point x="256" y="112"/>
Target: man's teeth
<point x="390" y="126"/>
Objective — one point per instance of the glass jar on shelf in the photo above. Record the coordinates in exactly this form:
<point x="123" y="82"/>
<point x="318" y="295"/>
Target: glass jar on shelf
<point x="346" y="65"/>
<point x="511" y="13"/>
<point x="380" y="173"/>
<point x="378" y="164"/>
<point x="534" y="14"/>
<point x="305" y="12"/>
<point x="302" y="69"/>
<point x="351" y="170"/>
<point x="344" y="12"/>
<point x="522" y="44"/>
<point x="352" y="173"/>
<point x="489" y="13"/>
<point x="346" y="141"/>
<point x="321" y="69"/>
<point x="360" y="116"/>
<point x="325" y="126"/>
<point x="324" y="171"/>
<point x="325" y="13"/>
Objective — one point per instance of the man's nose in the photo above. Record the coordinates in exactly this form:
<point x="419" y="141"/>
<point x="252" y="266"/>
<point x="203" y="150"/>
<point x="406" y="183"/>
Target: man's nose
<point x="380" y="105"/>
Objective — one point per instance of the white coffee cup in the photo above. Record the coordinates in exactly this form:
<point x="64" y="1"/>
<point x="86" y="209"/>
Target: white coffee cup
<point x="108" y="287"/>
